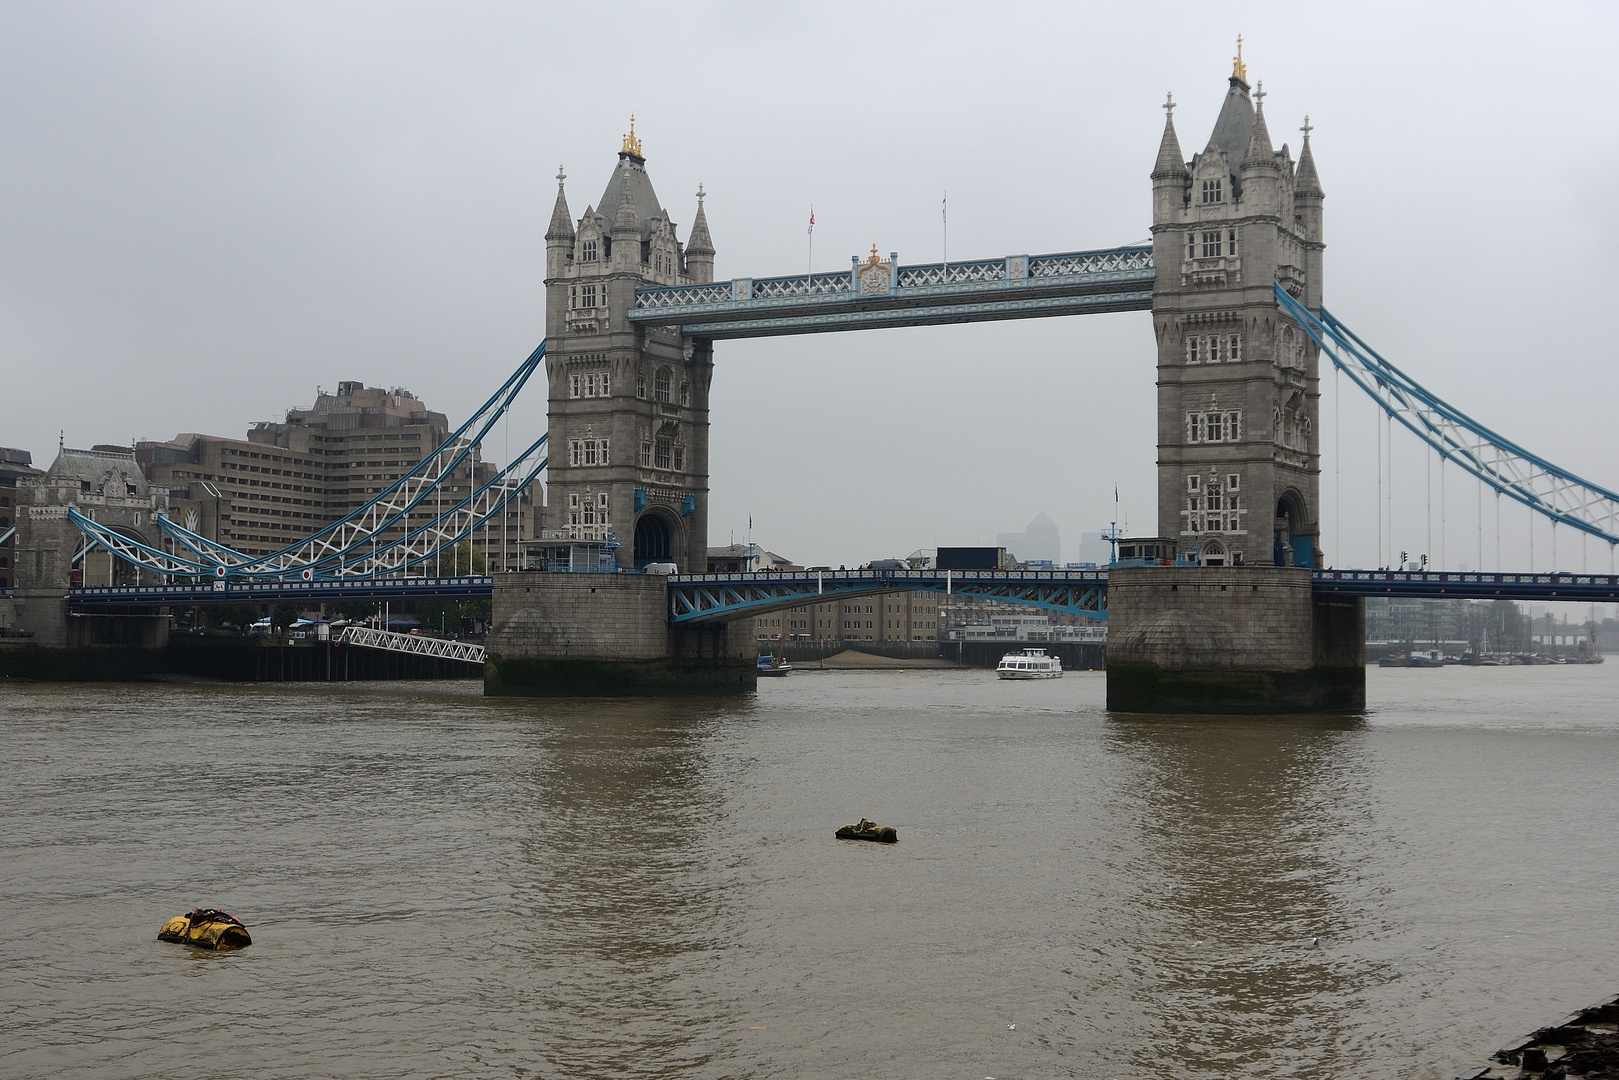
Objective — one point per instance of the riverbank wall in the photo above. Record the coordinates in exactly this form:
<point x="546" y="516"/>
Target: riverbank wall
<point x="226" y="659"/>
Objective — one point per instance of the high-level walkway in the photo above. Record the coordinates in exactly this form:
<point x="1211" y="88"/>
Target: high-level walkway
<point x="879" y="293"/>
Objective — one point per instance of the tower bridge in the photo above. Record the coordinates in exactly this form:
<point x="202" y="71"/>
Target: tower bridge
<point x="1233" y="278"/>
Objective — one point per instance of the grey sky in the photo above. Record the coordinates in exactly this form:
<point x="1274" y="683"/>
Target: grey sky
<point x="208" y="210"/>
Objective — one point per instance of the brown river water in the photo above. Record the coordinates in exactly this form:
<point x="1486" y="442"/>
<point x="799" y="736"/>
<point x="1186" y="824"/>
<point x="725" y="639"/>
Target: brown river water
<point x="440" y="884"/>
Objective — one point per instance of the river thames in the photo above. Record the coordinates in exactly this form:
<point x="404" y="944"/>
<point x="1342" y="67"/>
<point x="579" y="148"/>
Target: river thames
<point x="440" y="884"/>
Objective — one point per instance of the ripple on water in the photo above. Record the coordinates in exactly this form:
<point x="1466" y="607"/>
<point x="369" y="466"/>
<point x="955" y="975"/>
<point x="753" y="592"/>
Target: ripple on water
<point x="442" y="884"/>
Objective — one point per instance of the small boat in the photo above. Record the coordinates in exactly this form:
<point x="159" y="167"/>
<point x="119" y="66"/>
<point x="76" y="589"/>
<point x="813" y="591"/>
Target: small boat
<point x="868" y="830"/>
<point x="1030" y="664"/>
<point x="774" y="665"/>
<point x="206" y="928"/>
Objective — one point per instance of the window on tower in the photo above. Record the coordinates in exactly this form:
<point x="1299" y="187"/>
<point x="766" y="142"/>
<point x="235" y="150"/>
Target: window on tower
<point x="1211" y="191"/>
<point x="1231" y="242"/>
<point x="1211" y="244"/>
<point x="661" y="383"/>
<point x="588" y="250"/>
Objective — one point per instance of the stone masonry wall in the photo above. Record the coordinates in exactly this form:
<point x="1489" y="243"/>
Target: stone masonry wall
<point x="595" y="635"/>
<point x="1203" y="618"/>
<point x="580" y="616"/>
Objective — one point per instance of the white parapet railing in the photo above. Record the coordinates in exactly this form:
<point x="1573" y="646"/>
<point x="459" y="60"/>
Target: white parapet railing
<point x="416" y="644"/>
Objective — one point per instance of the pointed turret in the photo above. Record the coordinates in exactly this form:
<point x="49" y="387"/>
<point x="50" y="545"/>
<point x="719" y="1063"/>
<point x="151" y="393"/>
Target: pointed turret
<point x="1259" y="151"/>
<point x="1261" y="170"/>
<point x="1307" y="199"/>
<point x="700" y="247"/>
<point x="1305" y="180"/>
<point x="559" y="236"/>
<point x="561" y="221"/>
<point x="1169" y="175"/>
<point x="1170" y="165"/>
<point x="626" y="233"/>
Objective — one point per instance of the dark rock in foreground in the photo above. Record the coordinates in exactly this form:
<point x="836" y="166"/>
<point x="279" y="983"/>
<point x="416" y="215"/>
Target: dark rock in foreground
<point x="1584" y="1045"/>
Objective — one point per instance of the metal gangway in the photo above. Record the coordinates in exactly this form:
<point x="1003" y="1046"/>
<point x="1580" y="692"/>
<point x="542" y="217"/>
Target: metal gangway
<point x="415" y="644"/>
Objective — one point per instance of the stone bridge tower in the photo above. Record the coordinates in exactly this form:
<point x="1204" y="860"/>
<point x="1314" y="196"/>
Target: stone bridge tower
<point x="1239" y="460"/>
<point x="628" y="412"/>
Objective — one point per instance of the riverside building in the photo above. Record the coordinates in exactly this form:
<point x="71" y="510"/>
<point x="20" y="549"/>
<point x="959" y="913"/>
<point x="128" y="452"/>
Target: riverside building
<point x="287" y="480"/>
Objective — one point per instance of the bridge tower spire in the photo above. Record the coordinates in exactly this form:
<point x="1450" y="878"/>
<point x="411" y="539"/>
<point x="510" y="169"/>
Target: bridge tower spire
<point x="1238" y="386"/>
<point x="628" y="404"/>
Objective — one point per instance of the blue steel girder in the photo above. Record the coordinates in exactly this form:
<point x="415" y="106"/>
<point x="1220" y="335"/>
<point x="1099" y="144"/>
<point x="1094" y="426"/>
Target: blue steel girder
<point x="1508" y="468"/>
<point x="1588" y="588"/>
<point x="1012" y="287"/>
<point x="259" y="591"/>
<point x="702" y="598"/>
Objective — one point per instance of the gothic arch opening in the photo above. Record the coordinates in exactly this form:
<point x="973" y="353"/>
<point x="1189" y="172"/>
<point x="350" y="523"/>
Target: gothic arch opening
<point x="654" y="539"/>
<point x="1290" y="547"/>
<point x="1213" y="553"/>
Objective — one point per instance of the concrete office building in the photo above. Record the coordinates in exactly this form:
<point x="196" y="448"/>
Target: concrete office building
<point x="289" y="479"/>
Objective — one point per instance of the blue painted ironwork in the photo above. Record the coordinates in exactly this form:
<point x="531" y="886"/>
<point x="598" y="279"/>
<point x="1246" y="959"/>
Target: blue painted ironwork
<point x="1590" y="588"/>
<point x="699" y="598"/>
<point x="310" y="592"/>
<point x="1013" y="287"/>
<point x="7" y="533"/>
<point x="358" y="545"/>
<point x="1505" y="466"/>
<point x="696" y="598"/>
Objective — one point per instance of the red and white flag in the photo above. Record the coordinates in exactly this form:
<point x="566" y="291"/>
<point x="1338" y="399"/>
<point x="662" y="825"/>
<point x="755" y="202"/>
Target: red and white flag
<point x="944" y="207"/>
<point x="812" y="220"/>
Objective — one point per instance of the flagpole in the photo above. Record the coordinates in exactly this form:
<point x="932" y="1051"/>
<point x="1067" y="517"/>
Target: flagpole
<point x="809" y="270"/>
<point x="944" y="213"/>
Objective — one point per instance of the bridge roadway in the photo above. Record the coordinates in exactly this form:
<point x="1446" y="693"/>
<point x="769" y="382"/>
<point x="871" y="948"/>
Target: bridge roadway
<point x="704" y="598"/>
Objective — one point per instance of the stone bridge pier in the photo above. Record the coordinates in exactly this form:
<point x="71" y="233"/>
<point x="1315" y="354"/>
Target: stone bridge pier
<point x="1236" y="639"/>
<point x="607" y="635"/>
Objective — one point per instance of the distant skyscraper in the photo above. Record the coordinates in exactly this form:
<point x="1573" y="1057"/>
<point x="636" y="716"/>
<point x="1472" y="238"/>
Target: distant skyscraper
<point x="1039" y="542"/>
<point x="1093" y="548"/>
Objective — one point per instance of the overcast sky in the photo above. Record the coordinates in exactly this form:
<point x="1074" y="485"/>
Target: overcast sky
<point x="208" y="210"/>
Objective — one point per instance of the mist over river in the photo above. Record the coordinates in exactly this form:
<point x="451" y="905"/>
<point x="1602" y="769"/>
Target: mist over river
<point x="440" y="884"/>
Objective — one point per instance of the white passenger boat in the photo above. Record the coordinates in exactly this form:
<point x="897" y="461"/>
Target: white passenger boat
<point x="1029" y="664"/>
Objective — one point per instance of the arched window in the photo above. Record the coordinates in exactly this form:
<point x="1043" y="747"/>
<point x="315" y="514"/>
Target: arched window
<point x="685" y="392"/>
<point x="660" y="384"/>
<point x="587" y="251"/>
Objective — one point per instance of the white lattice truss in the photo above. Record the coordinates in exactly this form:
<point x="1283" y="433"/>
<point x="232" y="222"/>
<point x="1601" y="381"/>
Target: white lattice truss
<point x="414" y="644"/>
<point x="1501" y="464"/>
<point x="430" y="509"/>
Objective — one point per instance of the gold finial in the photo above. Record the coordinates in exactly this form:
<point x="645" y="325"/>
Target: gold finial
<point x="874" y="257"/>
<point x="632" y="145"/>
<point x="1239" y="70"/>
